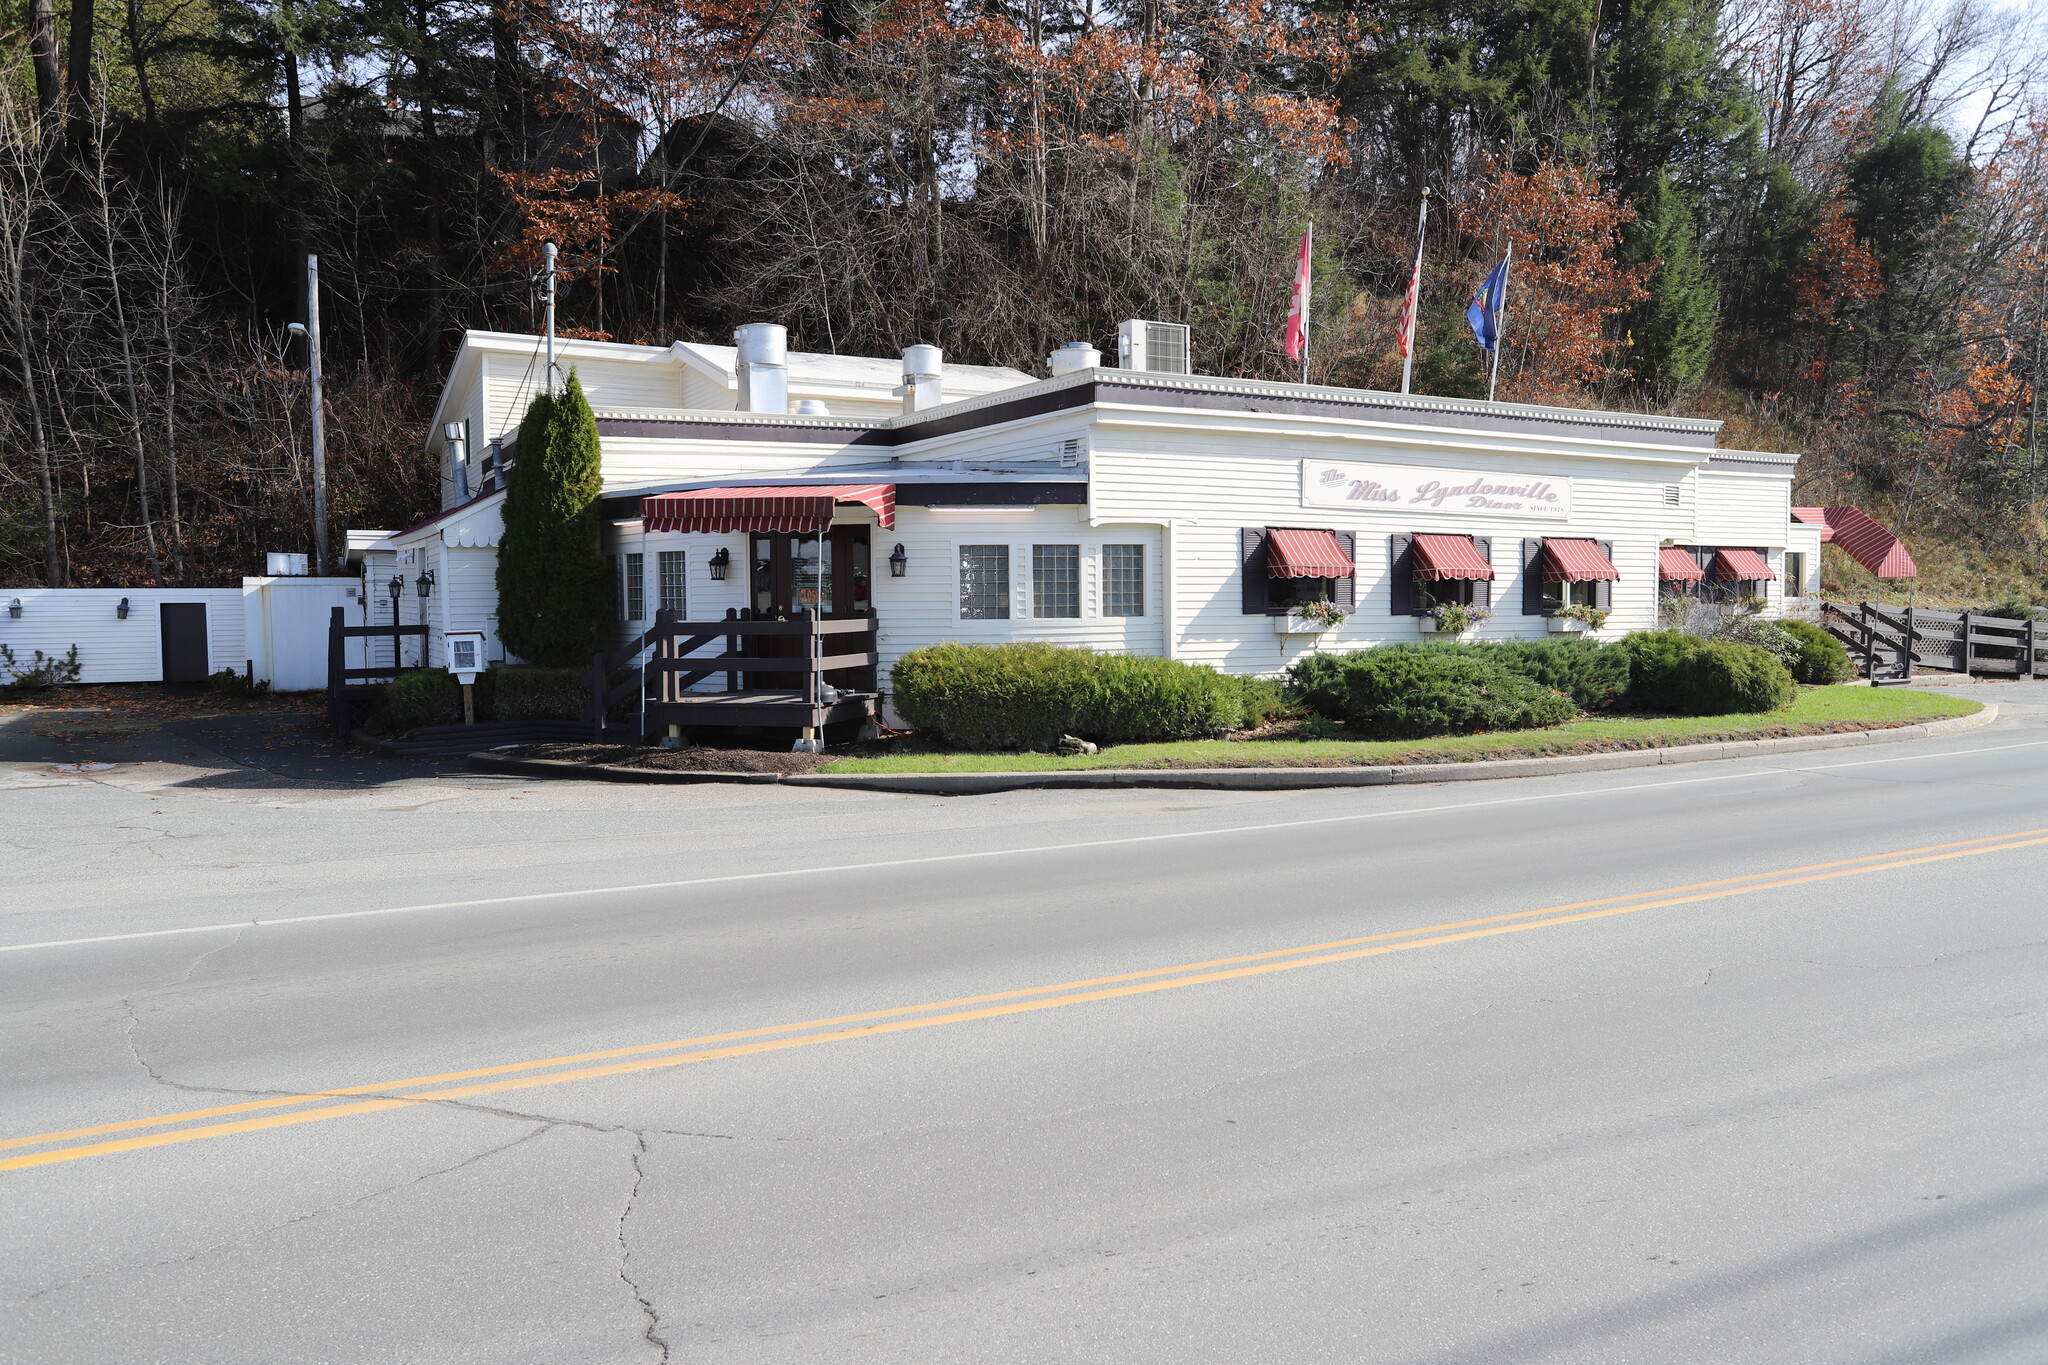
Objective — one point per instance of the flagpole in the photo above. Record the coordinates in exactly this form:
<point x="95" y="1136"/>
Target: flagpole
<point x="1415" y="323"/>
<point x="1305" y="303"/>
<point x="1500" y="326"/>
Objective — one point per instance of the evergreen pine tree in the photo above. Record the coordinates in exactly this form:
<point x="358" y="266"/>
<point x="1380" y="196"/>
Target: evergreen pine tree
<point x="1673" y="329"/>
<point x="556" y="597"/>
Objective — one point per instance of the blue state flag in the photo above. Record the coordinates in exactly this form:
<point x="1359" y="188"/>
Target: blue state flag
<point x="1487" y="305"/>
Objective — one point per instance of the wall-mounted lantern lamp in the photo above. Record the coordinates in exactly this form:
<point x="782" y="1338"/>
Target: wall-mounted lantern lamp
<point x="14" y="607"/>
<point x="721" y="563"/>
<point x="898" y="562"/>
<point x="122" y="610"/>
<point x="425" y="583"/>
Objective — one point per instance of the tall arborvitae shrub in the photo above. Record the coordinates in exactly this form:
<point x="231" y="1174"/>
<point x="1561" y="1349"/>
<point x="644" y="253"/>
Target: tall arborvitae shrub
<point x="556" y="596"/>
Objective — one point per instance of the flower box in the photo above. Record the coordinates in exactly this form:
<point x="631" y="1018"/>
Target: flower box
<point x="1568" y="625"/>
<point x="1429" y="625"/>
<point x="1291" y="624"/>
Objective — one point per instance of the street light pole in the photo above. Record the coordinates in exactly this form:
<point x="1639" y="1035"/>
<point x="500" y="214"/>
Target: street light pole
<point x="310" y="329"/>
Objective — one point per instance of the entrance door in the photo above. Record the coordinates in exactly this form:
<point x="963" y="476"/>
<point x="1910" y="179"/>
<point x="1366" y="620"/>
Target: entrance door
<point x="183" y="628"/>
<point x="788" y="576"/>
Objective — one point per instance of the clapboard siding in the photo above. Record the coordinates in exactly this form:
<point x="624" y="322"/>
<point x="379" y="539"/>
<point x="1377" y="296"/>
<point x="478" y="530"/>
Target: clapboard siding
<point x="112" y="650"/>
<point x="1210" y="485"/>
<point x="636" y="461"/>
<point x="1741" y="509"/>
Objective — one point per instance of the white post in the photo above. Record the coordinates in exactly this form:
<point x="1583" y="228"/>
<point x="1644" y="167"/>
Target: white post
<point x="1415" y="282"/>
<point x="547" y="257"/>
<point x="321" y="564"/>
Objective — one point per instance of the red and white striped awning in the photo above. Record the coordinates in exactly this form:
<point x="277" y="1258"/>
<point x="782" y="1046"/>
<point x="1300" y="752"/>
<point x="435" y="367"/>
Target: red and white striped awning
<point x="1870" y="544"/>
<point x="1438" y="556"/>
<point x="1815" y="516"/>
<point x="1740" y="566"/>
<point x="1576" y="561"/>
<point x="799" y="509"/>
<point x="1678" y="566"/>
<point x="1306" y="554"/>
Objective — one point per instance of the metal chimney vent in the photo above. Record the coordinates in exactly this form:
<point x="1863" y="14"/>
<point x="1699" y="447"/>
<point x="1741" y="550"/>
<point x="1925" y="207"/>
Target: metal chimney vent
<point x="1161" y="347"/>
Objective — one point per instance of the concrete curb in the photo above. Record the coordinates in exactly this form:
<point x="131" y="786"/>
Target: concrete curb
<point x="1254" y="779"/>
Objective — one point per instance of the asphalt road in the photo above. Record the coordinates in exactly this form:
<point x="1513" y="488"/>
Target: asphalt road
<point x="1737" y="1062"/>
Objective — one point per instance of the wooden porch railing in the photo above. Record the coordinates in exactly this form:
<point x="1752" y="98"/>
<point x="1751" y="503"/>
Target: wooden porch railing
<point x="339" y="674"/>
<point x="798" y="680"/>
<point x="1888" y="641"/>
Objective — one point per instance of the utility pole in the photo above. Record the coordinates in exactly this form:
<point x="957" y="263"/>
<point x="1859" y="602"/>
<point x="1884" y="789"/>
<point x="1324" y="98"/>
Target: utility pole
<point x="310" y="330"/>
<point x="547" y="256"/>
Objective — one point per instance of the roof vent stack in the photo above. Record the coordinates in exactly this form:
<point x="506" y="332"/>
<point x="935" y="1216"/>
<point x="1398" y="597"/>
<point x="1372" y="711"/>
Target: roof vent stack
<point x="1161" y="347"/>
<point x="763" y="367"/>
<point x="1073" y="358"/>
<point x="923" y="378"/>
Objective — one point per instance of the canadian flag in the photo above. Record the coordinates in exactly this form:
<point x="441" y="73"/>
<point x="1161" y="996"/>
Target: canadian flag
<point x="1297" y="315"/>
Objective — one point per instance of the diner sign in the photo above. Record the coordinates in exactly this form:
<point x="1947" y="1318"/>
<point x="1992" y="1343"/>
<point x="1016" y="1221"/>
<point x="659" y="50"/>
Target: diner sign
<point x="1411" y="488"/>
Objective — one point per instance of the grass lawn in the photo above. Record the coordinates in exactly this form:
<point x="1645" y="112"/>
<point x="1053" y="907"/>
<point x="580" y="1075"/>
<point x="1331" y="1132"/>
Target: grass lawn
<point x="1819" y="710"/>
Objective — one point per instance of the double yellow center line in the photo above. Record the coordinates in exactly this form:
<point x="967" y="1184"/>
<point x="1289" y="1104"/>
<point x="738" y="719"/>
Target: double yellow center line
<point x="282" y="1111"/>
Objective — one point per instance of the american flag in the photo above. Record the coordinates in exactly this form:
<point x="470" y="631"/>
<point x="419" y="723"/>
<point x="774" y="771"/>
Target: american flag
<point x="1405" y="330"/>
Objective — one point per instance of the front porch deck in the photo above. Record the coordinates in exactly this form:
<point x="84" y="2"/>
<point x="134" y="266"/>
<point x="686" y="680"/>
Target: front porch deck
<point x="663" y="684"/>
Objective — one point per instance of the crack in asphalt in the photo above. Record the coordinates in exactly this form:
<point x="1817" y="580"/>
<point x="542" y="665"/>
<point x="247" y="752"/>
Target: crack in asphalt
<point x="652" y="1331"/>
<point x="294" y="1220"/>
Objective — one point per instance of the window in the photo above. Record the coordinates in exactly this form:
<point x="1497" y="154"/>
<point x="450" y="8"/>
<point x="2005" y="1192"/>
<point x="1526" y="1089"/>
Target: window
<point x="1056" y="580"/>
<point x="675" y="596"/>
<point x="633" y="600"/>
<point x="1584" y="594"/>
<point x="1795" y="573"/>
<point x="1282" y="594"/>
<point x="984" y="582"/>
<point x="1441" y="592"/>
<point x="1123" y="580"/>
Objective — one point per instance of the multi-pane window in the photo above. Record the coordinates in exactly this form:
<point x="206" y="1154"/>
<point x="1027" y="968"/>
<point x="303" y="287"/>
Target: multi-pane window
<point x="1123" y="580"/>
<point x="633" y="600"/>
<point x="674" y="596"/>
<point x="984" y="582"/>
<point x="1056" y="580"/>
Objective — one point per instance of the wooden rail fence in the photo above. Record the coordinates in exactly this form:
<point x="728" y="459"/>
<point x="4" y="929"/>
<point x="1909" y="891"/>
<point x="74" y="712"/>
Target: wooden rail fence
<point x="1888" y="641"/>
<point x="340" y="675"/>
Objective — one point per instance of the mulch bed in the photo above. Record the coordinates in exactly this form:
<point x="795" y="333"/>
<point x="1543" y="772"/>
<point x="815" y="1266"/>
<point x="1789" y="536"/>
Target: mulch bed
<point x="156" y="701"/>
<point x="700" y="760"/>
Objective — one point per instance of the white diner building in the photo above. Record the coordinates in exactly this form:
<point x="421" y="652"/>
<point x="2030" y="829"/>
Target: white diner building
<point x="1125" y="509"/>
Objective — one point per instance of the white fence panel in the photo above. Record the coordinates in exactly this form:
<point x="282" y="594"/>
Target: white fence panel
<point x="286" y="620"/>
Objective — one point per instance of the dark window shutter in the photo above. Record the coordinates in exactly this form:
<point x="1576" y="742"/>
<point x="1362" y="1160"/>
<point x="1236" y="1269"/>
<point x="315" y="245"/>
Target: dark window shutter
<point x="1532" y="578"/>
<point x="1401" y="570"/>
<point x="1482" y="588"/>
<point x="1346" y="589"/>
<point x="1603" y="591"/>
<point x="1251" y="544"/>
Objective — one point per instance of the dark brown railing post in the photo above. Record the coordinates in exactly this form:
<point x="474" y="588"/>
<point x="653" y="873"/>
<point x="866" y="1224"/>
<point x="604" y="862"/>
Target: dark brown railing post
<point x="1869" y="645"/>
<point x="1909" y="644"/>
<point x="1963" y="634"/>
<point x="733" y="681"/>
<point x="2027" y="668"/>
<point x="337" y="665"/>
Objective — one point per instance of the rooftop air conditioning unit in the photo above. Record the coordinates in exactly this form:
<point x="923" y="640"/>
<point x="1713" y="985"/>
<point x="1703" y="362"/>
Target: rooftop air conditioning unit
<point x="1161" y="347"/>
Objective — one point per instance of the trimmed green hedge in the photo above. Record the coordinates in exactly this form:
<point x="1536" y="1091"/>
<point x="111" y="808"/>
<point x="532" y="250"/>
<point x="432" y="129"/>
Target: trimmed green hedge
<point x="1822" y="658"/>
<point x="1026" y="695"/>
<point x="423" y="696"/>
<point x="1681" y="674"/>
<point x="524" y="693"/>
<point x="1417" y="693"/>
<point x="1593" y="675"/>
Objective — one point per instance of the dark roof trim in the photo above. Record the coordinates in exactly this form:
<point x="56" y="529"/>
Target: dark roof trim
<point x="1366" y="407"/>
<point x="626" y="506"/>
